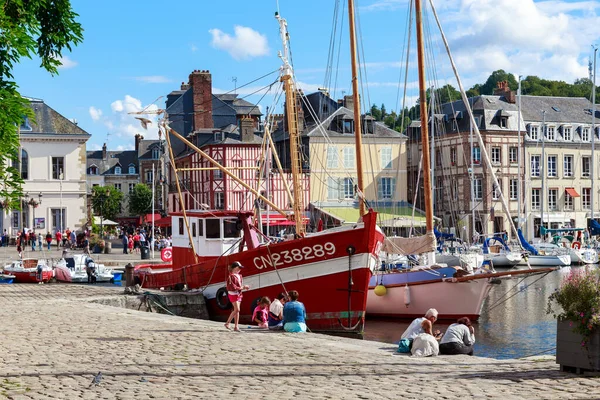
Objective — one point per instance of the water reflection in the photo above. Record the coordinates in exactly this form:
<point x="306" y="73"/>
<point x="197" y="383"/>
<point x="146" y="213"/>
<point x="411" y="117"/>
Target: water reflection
<point x="513" y="322"/>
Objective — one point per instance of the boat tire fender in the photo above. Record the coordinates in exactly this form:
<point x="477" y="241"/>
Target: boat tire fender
<point x="576" y="245"/>
<point x="222" y="299"/>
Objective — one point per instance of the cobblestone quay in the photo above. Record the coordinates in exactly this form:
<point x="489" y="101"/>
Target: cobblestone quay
<point x="55" y="341"/>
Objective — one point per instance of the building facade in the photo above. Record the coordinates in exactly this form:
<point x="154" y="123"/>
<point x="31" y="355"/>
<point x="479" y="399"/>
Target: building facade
<point x="52" y="165"/>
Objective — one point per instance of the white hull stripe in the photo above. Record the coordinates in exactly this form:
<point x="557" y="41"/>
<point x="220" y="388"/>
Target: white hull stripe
<point x="301" y="272"/>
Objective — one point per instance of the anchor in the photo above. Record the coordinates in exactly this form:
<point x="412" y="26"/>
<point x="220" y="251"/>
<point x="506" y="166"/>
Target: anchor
<point x="350" y="250"/>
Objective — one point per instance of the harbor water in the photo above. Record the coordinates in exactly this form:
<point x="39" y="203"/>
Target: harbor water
<point x="513" y="322"/>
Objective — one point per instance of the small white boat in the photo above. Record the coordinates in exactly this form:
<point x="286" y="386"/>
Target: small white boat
<point x="504" y="260"/>
<point x="73" y="270"/>
<point x="26" y="270"/>
<point x="558" y="260"/>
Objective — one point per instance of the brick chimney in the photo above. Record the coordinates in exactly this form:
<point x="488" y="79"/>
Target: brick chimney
<point x="247" y="129"/>
<point x="104" y="156"/>
<point x="201" y="83"/>
<point x="349" y="102"/>
<point x="138" y="139"/>
<point x="502" y="89"/>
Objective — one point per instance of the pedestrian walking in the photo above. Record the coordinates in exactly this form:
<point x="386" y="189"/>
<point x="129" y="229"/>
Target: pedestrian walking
<point x="58" y="238"/>
<point x="32" y="238"/>
<point x="48" y="239"/>
<point x="40" y="239"/>
<point x="125" y="243"/>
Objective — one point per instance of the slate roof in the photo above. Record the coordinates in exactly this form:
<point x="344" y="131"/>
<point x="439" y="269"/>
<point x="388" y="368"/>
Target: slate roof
<point x="114" y="158"/>
<point x="49" y="121"/>
<point x="146" y="146"/>
<point x="570" y="109"/>
<point x="241" y="106"/>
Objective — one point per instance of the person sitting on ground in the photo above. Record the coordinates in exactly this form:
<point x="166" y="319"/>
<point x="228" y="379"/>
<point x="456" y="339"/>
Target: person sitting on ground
<point x="294" y="314"/>
<point x="261" y="313"/>
<point x="276" y="312"/>
<point x="422" y="325"/>
<point x="459" y="338"/>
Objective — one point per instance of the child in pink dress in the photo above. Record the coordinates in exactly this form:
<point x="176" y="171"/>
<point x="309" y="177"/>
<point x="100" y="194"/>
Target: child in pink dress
<point x="235" y="286"/>
<point x="261" y="313"/>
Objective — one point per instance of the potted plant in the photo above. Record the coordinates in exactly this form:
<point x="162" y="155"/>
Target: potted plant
<point x="578" y="320"/>
<point x="96" y="243"/>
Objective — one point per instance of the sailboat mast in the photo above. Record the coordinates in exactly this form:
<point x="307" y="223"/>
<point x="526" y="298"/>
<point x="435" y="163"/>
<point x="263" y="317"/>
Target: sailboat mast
<point x="432" y="150"/>
<point x="423" y="109"/>
<point x="593" y="163"/>
<point x="356" y="102"/>
<point x="292" y="124"/>
<point x="519" y="156"/>
<point x="543" y="169"/>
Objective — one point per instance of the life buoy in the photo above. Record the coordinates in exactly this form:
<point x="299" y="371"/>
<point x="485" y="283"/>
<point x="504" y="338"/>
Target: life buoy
<point x="222" y="299"/>
<point x="576" y="245"/>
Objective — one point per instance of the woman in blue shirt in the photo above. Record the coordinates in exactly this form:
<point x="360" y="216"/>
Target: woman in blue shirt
<point x="294" y="314"/>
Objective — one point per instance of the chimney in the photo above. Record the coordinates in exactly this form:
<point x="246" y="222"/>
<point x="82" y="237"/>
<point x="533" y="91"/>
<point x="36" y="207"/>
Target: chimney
<point x="138" y="139"/>
<point x="201" y="83"/>
<point x="502" y="89"/>
<point x="349" y="102"/>
<point x="247" y="129"/>
<point x="104" y="157"/>
<point x="185" y="86"/>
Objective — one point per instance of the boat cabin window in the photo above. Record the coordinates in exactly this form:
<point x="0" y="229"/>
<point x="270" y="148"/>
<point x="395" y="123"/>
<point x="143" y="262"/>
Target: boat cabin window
<point x="193" y="229"/>
<point x="230" y="228"/>
<point x="213" y="228"/>
<point x="70" y="262"/>
<point x="200" y="227"/>
<point x="181" y="226"/>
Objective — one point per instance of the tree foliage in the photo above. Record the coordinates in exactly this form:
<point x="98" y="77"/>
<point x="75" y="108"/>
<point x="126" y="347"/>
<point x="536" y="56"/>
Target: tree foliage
<point x="106" y="201"/>
<point x="28" y="28"/>
<point x="140" y="200"/>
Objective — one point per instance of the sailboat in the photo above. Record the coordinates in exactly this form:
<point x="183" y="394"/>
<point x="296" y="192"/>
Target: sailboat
<point x="330" y="269"/>
<point x="454" y="292"/>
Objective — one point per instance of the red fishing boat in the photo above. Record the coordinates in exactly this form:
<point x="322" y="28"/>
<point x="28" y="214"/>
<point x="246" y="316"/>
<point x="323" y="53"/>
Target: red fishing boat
<point x="330" y="269"/>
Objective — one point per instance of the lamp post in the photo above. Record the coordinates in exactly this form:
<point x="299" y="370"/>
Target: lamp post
<point x="60" y="210"/>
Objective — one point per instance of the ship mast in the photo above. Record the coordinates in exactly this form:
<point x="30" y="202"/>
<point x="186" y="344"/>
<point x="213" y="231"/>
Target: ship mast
<point x="356" y="101"/>
<point x="292" y="124"/>
<point x="423" y="110"/>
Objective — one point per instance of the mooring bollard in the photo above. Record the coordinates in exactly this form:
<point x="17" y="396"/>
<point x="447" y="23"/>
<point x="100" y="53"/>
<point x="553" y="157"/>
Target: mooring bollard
<point x="129" y="275"/>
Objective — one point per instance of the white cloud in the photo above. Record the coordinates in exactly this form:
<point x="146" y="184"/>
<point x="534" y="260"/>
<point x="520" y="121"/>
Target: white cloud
<point x="67" y="62"/>
<point x="245" y="44"/>
<point x="549" y="39"/>
<point x="95" y="113"/>
<point x="385" y="5"/>
<point x="123" y="125"/>
<point x="193" y="48"/>
<point x="153" y="79"/>
<point x="94" y="147"/>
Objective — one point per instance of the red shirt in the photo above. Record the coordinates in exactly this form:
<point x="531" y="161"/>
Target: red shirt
<point x="235" y="283"/>
<point x="58" y="235"/>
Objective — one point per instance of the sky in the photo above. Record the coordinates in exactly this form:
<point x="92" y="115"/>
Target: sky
<point x="135" y="52"/>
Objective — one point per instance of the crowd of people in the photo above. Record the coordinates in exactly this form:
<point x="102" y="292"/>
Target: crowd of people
<point x="38" y="241"/>
<point x="421" y="340"/>
<point x="133" y="239"/>
<point x="283" y="313"/>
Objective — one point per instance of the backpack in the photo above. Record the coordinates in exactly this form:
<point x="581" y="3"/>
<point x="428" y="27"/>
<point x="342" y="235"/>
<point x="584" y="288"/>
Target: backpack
<point x="403" y="346"/>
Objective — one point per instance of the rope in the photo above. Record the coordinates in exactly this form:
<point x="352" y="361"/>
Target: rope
<point x="538" y="353"/>
<point x="525" y="288"/>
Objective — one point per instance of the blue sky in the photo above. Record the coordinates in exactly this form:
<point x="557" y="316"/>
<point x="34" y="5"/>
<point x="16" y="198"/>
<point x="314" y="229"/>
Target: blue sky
<point x="136" y="51"/>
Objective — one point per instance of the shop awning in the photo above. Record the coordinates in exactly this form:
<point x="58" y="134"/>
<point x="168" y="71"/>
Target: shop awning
<point x="280" y="220"/>
<point x="98" y="221"/>
<point x="165" y="221"/>
<point x="392" y="217"/>
<point x="572" y="192"/>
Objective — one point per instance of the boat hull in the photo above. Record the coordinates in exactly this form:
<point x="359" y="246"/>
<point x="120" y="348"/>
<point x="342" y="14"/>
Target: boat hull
<point x="329" y="269"/>
<point x="547" y="261"/>
<point x="64" y="274"/>
<point x="504" y="260"/>
<point x="452" y="300"/>
<point x="583" y="256"/>
<point x="30" y="276"/>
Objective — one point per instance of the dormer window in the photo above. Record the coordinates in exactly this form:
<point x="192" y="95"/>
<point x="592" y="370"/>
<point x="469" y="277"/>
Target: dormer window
<point x="534" y="132"/>
<point x="348" y="126"/>
<point x="155" y="153"/>
<point x="117" y="170"/>
<point x="567" y="133"/>
<point x="131" y="169"/>
<point x="93" y="170"/>
<point x="25" y="126"/>
<point x="585" y="134"/>
<point x="503" y="118"/>
<point x="550" y="133"/>
<point x="503" y="122"/>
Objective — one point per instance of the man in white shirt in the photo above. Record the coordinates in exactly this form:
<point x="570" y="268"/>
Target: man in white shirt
<point x="276" y="312"/>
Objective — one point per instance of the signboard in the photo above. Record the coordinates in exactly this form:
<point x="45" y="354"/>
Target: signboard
<point x="39" y="223"/>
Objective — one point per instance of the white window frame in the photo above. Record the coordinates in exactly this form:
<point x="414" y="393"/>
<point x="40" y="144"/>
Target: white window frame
<point x="118" y="170"/>
<point x="386" y="188"/>
<point x="568" y="166"/>
<point x="513" y="158"/>
<point x="514" y="189"/>
<point x="477" y="155"/>
<point x="118" y="186"/>
<point x="536" y="199"/>
<point x="551" y="133"/>
<point x="585" y="133"/>
<point x="496" y="155"/>
<point x="348" y="188"/>
<point x="496" y="190"/>
<point x="569" y="204"/>
<point x="567" y="133"/>
<point x="585" y="172"/>
<point x="535" y="166"/>
<point x="586" y="198"/>
<point x="534" y="132"/>
<point x="219" y="200"/>
<point x="553" y="199"/>
<point x="333" y="189"/>
<point x="552" y="163"/>
<point x="131" y="170"/>
<point x="478" y="188"/>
